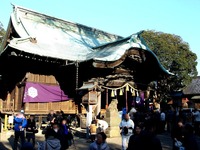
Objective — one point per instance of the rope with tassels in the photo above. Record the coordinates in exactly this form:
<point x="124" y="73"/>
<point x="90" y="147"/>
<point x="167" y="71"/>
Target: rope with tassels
<point x="118" y="88"/>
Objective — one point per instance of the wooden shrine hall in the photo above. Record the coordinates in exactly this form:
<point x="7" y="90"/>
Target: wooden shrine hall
<point x="41" y="49"/>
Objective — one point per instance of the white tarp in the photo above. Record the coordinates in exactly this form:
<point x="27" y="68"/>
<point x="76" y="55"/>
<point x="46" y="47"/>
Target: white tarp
<point x="65" y="40"/>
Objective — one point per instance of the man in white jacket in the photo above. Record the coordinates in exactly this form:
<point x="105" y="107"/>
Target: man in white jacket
<point x="126" y="127"/>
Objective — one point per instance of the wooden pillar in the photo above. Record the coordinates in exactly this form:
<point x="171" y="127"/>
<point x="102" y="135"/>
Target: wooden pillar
<point x="16" y="99"/>
<point x="8" y="99"/>
<point x="6" y="123"/>
<point x="40" y="120"/>
<point x="98" y="109"/>
<point x="106" y="98"/>
<point x="1" y="105"/>
<point x="76" y="109"/>
<point x="126" y="97"/>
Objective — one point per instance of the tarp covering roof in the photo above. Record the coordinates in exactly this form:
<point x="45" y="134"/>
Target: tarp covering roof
<point x="50" y="37"/>
<point x="72" y="52"/>
<point x="62" y="39"/>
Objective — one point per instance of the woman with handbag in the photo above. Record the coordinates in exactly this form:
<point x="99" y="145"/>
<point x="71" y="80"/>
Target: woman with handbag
<point x="31" y="130"/>
<point x="178" y="134"/>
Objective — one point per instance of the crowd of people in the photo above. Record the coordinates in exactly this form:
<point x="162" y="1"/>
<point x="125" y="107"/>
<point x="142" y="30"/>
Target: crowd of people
<point x="58" y="135"/>
<point x="97" y="135"/>
<point x="183" y="127"/>
<point x="136" y="129"/>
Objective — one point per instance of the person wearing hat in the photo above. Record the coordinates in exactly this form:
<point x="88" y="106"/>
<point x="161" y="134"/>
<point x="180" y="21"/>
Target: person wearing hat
<point x="20" y="123"/>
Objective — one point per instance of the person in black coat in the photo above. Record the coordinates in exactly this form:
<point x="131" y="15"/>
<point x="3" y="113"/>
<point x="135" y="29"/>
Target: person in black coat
<point x="53" y="137"/>
<point x="54" y="132"/>
<point x="64" y="128"/>
<point x="59" y="117"/>
<point x="30" y="129"/>
<point x="51" y="117"/>
<point x="177" y="133"/>
<point x="147" y="139"/>
<point x="133" y="138"/>
<point x="189" y="140"/>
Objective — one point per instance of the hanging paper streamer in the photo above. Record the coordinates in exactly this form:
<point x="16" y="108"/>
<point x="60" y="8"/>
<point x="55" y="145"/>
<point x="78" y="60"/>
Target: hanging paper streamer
<point x="120" y="92"/>
<point x="122" y="89"/>
<point x="112" y="93"/>
<point x="115" y="92"/>
<point x="137" y="94"/>
<point x="133" y="93"/>
<point x="127" y="88"/>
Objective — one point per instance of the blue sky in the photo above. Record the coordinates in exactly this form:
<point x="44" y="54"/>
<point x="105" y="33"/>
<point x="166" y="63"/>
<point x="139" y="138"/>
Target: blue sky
<point x="122" y="17"/>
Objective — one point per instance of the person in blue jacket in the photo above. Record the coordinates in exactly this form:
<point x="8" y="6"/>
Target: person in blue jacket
<point x="20" y="123"/>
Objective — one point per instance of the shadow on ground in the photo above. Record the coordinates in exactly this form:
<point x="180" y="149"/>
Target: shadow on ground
<point x="11" y="140"/>
<point x="2" y="147"/>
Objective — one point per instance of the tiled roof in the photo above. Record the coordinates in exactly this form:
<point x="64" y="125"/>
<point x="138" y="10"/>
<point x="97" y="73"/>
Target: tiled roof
<point x="193" y="88"/>
<point x="50" y="37"/>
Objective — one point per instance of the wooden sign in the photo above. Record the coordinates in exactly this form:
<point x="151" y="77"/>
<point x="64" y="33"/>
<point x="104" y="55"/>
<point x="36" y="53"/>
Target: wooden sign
<point x="90" y="98"/>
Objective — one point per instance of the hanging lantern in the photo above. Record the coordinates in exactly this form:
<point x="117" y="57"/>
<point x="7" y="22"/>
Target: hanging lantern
<point x="120" y="92"/>
<point x="112" y="93"/>
<point x="127" y="88"/>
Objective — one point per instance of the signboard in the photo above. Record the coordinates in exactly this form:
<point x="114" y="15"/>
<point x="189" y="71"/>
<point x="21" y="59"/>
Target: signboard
<point x="10" y="119"/>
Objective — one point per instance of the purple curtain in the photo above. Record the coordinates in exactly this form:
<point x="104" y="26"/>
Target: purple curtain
<point x="37" y="92"/>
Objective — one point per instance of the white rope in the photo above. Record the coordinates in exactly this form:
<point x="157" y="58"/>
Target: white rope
<point x="118" y="88"/>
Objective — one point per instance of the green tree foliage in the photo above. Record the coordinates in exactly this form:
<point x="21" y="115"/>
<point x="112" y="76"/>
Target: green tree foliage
<point x="175" y="55"/>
